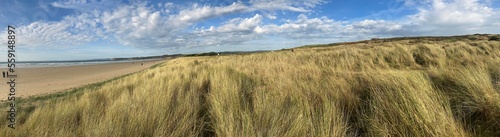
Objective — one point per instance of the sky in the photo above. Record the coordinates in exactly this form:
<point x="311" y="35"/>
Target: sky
<point x="96" y="29"/>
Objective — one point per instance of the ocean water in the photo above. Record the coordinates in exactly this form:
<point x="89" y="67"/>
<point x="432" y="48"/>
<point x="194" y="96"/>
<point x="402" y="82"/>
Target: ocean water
<point x="38" y="64"/>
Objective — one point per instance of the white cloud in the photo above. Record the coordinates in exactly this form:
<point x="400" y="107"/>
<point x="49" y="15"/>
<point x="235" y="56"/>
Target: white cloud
<point x="240" y="30"/>
<point x="271" y="16"/>
<point x="289" y="5"/>
<point x="168" y="7"/>
<point x="234" y="31"/>
<point x="457" y="17"/>
<point x="86" y="5"/>
<point x="70" y="31"/>
<point x="51" y="34"/>
<point x="136" y="25"/>
<point x="304" y="27"/>
<point x="236" y="25"/>
<point x="198" y="13"/>
<point x="458" y="12"/>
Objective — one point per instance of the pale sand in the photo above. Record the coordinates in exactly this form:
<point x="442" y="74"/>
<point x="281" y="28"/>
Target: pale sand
<point x="45" y="80"/>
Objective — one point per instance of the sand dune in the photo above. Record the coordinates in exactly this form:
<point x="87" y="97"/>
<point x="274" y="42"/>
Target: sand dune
<point x="44" y="80"/>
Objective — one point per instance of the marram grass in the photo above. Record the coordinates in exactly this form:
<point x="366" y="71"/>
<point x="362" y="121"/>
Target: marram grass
<point x="395" y="88"/>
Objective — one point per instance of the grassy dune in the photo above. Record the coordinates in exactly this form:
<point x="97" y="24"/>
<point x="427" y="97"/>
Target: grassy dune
<point x="402" y="87"/>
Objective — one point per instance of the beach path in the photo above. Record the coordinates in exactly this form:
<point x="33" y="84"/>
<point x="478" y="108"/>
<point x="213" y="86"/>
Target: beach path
<point x="46" y="80"/>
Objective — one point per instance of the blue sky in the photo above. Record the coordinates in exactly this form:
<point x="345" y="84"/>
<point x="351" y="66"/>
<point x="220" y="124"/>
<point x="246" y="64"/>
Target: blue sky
<point x="92" y="29"/>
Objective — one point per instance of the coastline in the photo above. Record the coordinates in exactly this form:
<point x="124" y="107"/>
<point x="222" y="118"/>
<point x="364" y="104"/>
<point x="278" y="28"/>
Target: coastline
<point x="46" y="80"/>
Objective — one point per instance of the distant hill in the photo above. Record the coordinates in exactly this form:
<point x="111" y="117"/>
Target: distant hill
<point x="474" y="37"/>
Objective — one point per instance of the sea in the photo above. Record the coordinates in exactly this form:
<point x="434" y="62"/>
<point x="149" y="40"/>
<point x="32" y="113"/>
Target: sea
<point x="38" y="64"/>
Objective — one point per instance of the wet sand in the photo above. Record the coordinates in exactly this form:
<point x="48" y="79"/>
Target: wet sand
<point x="46" y="80"/>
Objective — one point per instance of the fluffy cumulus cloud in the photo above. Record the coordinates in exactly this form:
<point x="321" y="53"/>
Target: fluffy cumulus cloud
<point x="231" y="32"/>
<point x="446" y="16"/>
<point x="169" y="25"/>
<point x="135" y="25"/>
<point x="237" y="25"/>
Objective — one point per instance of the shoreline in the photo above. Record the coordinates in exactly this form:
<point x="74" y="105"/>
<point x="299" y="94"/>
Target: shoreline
<point x="43" y="64"/>
<point x="46" y="80"/>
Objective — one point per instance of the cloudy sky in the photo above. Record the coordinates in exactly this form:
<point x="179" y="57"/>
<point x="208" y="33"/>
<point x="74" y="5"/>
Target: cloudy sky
<point x="92" y="29"/>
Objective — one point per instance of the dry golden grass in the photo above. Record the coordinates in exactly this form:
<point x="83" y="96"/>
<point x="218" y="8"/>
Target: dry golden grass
<point x="396" y="88"/>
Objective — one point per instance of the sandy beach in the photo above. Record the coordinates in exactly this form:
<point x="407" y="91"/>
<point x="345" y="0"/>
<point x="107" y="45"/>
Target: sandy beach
<point x="45" y="80"/>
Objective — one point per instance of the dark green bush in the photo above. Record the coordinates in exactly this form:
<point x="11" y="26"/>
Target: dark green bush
<point x="494" y="38"/>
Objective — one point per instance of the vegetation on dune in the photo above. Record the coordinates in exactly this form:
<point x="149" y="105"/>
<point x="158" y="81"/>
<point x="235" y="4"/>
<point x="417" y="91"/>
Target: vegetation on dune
<point x="203" y="54"/>
<point x="401" y="87"/>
